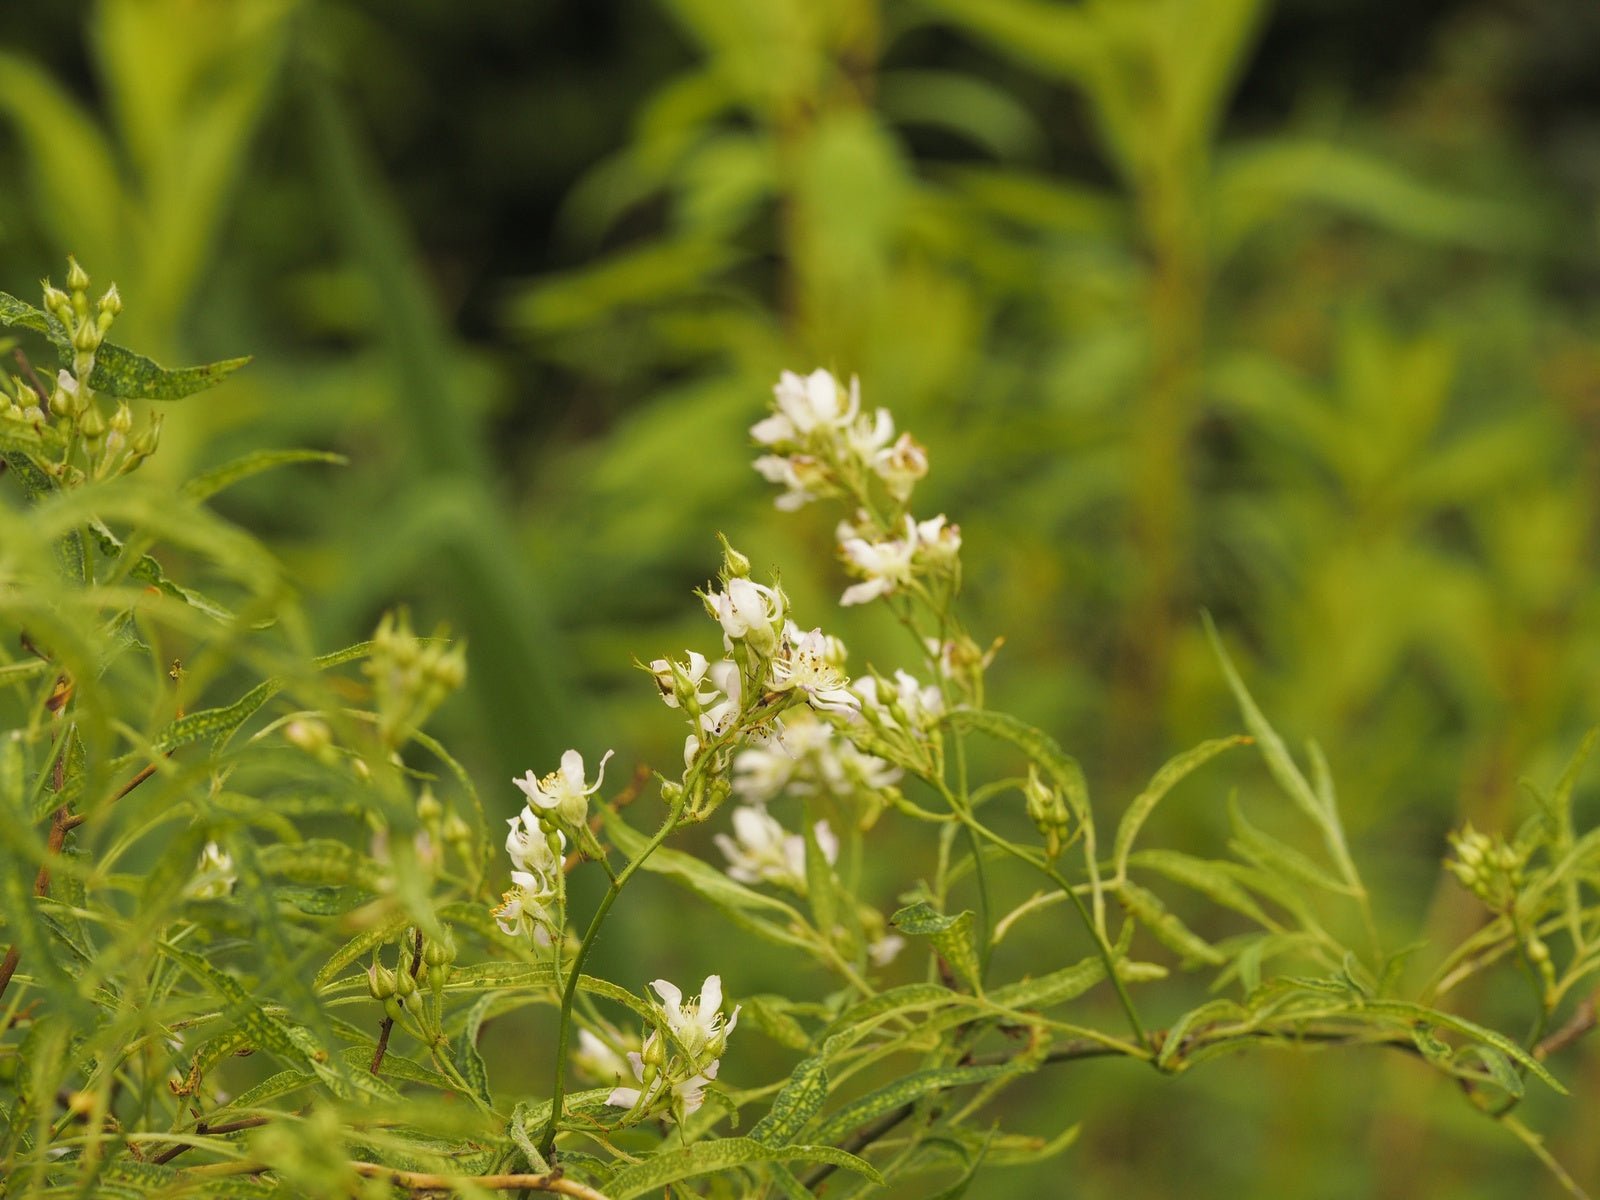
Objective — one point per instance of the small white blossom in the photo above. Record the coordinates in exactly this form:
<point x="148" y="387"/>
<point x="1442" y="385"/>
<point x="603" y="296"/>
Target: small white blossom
<point x="762" y="852"/>
<point x="525" y="906"/>
<point x="214" y="875"/>
<point x="748" y="611"/>
<point x="883" y="951"/>
<point x="598" y="1060"/>
<point x="697" y="1024"/>
<point x="808" y="757"/>
<point x="805" y="404"/>
<point x="803" y="666"/>
<point x="886" y="565"/>
<point x="921" y="706"/>
<point x="901" y="465"/>
<point x="690" y="1092"/>
<point x="564" y="792"/>
<point x="529" y="845"/>
<point x="693" y="669"/>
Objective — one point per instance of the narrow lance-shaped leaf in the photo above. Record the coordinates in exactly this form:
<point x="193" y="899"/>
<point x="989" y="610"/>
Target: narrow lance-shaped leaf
<point x="1164" y="780"/>
<point x="725" y="1154"/>
<point x="951" y="936"/>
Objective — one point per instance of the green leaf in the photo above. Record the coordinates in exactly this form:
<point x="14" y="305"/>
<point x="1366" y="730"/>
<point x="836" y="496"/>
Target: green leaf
<point x="724" y="1154"/>
<point x="209" y="483"/>
<point x="120" y="372"/>
<point x="357" y="947"/>
<point x="1057" y="987"/>
<point x="1145" y="907"/>
<point x="951" y="936"/>
<point x="1164" y="780"/>
<point x="468" y="1059"/>
<point x="770" y="1015"/>
<point x="906" y="1091"/>
<point x="800" y="1100"/>
<point x="1209" y="877"/>
<point x="1212" y="1010"/>
<point x="320" y="861"/>
<point x="1275" y="856"/>
<point x="910" y="997"/>
<point x="1410" y="1013"/>
<point x="18" y="312"/>
<point x="147" y="570"/>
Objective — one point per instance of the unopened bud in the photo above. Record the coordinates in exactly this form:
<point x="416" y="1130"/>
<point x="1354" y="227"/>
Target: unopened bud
<point x="56" y="302"/>
<point x="77" y="277"/>
<point x="111" y="302"/>
<point x="380" y="982"/>
<point x="122" y="419"/>
<point x="148" y="438"/>
<point x="734" y="564"/>
<point x="429" y="810"/>
<point x="87" y="339"/>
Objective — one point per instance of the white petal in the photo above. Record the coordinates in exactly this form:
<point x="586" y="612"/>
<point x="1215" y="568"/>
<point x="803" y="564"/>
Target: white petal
<point x="623" y="1097"/>
<point x="711" y="995"/>
<point x="671" y="995"/>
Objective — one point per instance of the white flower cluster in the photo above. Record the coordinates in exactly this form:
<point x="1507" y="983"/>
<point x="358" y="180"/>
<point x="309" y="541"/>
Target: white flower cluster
<point x="536" y="845"/>
<point x="823" y="444"/>
<point x="772" y="669"/>
<point x="808" y="757"/>
<point x="672" y="1073"/>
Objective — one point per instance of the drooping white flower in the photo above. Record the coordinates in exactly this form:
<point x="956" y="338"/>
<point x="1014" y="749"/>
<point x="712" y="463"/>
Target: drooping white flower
<point x="692" y="669"/>
<point x="867" y="437"/>
<point x="529" y="846"/>
<point x="804" y="666"/>
<point x="564" y="792"/>
<point x="214" y="875"/>
<point x="525" y="906"/>
<point x="690" y="1092"/>
<point x="918" y="706"/>
<point x="761" y="851"/>
<point x="808" y="757"/>
<point x="805" y="477"/>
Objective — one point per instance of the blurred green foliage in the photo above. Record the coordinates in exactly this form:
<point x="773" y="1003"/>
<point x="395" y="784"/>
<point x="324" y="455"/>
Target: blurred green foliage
<point x="1282" y="312"/>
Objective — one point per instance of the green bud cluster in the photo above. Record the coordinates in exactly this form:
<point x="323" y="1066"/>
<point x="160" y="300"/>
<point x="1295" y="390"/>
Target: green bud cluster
<point x="1048" y="811"/>
<point x="411" y="676"/>
<point x="68" y="415"/>
<point x="1491" y="868"/>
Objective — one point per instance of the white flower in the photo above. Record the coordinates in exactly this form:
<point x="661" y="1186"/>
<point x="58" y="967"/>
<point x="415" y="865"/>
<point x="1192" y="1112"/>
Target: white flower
<point x="764" y="853"/>
<point x="901" y="465"/>
<point x="803" y="666"/>
<point x="214" y="875"/>
<point x="883" y="951"/>
<point x="698" y="1025"/>
<point x="524" y="906"/>
<point x="564" y="792"/>
<point x="867" y="438"/>
<point x="803" y="475"/>
<point x="693" y="669"/>
<point x="804" y="404"/>
<point x="597" y="1060"/>
<point x="690" y="1092"/>
<point x="919" y="706"/>
<point x="808" y="756"/>
<point x="937" y="541"/>
<point x="529" y="847"/>
<point x="886" y="565"/>
<point x="748" y="611"/>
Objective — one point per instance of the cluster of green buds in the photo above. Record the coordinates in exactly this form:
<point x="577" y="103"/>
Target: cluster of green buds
<point x="1489" y="867"/>
<point x="399" y="989"/>
<point x="69" y="407"/>
<point x="411" y="676"/>
<point x="1048" y="811"/>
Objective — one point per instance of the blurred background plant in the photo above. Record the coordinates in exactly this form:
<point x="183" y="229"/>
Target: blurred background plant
<point x="1284" y="311"/>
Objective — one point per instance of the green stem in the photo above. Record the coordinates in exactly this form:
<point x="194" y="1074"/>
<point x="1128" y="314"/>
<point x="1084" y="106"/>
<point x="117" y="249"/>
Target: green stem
<point x="547" y="1140"/>
<point x="1102" y="947"/>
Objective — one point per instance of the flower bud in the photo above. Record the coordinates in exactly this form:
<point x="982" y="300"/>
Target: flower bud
<point x="148" y="438"/>
<point x="77" y="277"/>
<point x="87" y="338"/>
<point x="380" y="982"/>
<point x="405" y="984"/>
<point x="56" y="302"/>
<point x="122" y="419"/>
<point x="92" y="425"/>
<point x="111" y="302"/>
<point x="429" y="810"/>
<point x="734" y="564"/>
